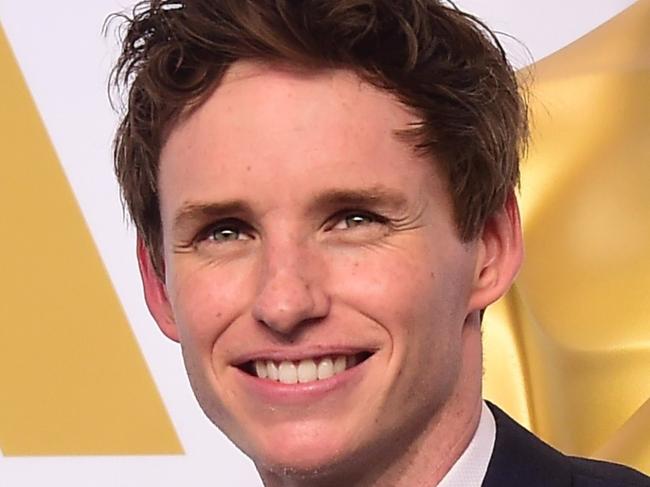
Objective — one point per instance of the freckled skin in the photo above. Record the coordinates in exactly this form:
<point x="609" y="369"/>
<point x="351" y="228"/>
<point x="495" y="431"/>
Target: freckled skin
<point x="289" y="271"/>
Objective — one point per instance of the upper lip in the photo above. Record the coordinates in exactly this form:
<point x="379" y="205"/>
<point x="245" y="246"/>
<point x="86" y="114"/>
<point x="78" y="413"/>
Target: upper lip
<point x="296" y="355"/>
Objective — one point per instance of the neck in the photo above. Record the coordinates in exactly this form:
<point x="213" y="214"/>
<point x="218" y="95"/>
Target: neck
<point x="427" y="454"/>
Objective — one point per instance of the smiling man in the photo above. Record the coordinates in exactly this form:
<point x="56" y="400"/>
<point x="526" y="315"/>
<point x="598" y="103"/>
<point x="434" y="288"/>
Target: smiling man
<point x="324" y="198"/>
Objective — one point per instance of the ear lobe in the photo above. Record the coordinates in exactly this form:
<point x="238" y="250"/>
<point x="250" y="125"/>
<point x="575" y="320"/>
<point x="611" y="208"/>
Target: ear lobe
<point x="155" y="293"/>
<point x="500" y="253"/>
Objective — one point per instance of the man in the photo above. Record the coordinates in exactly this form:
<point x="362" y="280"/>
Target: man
<point x="324" y="198"/>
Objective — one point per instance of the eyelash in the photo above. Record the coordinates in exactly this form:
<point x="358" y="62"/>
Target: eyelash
<point x="230" y="224"/>
<point x="344" y="215"/>
<point x="239" y="227"/>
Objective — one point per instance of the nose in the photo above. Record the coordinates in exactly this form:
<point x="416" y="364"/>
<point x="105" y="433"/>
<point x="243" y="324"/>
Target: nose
<point x="291" y="289"/>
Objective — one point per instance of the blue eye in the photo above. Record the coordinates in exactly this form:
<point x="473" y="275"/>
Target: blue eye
<point x="224" y="234"/>
<point x="227" y="232"/>
<point x="355" y="219"/>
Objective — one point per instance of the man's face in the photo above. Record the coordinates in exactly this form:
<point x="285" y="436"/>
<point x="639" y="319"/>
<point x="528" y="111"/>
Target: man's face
<point x="304" y="239"/>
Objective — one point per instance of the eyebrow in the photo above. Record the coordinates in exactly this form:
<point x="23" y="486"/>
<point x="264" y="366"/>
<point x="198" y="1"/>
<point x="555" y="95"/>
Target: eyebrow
<point x="376" y="196"/>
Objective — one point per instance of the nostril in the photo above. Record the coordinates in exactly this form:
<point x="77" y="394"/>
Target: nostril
<point x="288" y="299"/>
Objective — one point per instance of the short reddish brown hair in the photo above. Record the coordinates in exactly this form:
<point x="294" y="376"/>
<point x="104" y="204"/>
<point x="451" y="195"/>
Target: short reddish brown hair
<point x="443" y="63"/>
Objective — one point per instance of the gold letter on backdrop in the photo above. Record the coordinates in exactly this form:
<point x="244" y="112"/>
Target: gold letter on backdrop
<point x="72" y="378"/>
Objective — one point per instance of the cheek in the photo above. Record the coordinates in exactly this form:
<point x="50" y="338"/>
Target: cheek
<point x="417" y="294"/>
<point x="204" y="301"/>
<point x="397" y="283"/>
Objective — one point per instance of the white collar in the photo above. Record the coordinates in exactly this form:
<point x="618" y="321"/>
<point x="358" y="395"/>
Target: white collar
<point x="470" y="468"/>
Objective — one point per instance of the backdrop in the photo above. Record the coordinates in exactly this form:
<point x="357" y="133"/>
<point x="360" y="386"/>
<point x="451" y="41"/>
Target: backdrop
<point x="91" y="393"/>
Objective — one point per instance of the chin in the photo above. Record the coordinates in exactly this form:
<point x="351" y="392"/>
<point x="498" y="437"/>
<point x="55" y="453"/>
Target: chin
<point x="305" y="464"/>
<point x="301" y="454"/>
<point x="304" y="467"/>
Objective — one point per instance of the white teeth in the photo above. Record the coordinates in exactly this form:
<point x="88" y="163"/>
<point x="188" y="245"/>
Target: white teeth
<point x="325" y="369"/>
<point x="288" y="373"/>
<point x="272" y="370"/>
<point x="339" y="364"/>
<point x="307" y="370"/>
<point x="260" y="369"/>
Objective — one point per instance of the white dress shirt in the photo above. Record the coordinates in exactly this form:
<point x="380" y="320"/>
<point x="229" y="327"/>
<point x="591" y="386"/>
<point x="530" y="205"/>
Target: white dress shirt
<point x="470" y="468"/>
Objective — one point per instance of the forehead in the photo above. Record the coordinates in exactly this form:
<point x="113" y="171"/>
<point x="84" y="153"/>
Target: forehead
<point x="261" y="85"/>
<point x="277" y="97"/>
<point x="267" y="122"/>
<point x="285" y="98"/>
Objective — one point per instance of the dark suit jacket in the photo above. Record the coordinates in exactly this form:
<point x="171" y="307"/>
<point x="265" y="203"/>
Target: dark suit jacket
<point x="520" y="459"/>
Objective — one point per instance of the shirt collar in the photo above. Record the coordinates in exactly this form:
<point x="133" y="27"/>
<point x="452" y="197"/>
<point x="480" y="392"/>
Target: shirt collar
<point x="470" y="468"/>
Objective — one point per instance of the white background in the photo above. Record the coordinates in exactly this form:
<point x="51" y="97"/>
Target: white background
<point x="66" y="60"/>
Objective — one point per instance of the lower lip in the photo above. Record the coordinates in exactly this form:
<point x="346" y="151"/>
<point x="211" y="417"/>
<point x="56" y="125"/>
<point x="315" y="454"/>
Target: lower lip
<point x="270" y="391"/>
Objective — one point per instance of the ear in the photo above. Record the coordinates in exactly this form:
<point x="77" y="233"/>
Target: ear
<point x="500" y="253"/>
<point x="155" y="293"/>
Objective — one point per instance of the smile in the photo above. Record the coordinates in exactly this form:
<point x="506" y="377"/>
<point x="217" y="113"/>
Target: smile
<point x="305" y="370"/>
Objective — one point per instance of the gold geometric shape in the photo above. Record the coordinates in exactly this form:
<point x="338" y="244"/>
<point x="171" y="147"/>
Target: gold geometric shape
<point x="581" y="304"/>
<point x="72" y="378"/>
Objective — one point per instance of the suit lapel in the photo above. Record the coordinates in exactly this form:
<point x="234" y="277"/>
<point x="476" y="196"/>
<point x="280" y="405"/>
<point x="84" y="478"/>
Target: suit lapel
<point x="521" y="459"/>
